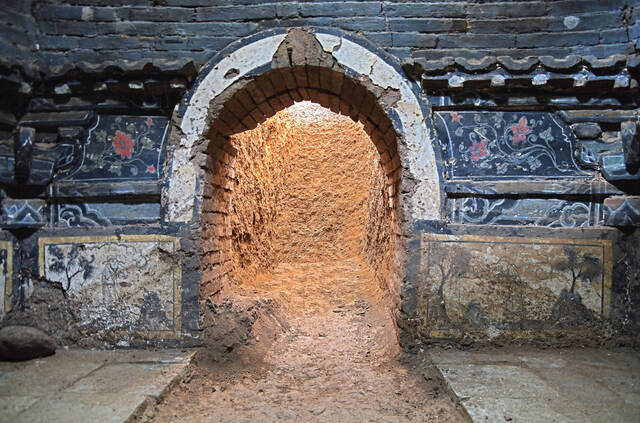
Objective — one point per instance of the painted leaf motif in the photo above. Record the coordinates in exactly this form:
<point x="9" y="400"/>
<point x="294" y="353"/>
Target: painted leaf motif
<point x="546" y="135"/>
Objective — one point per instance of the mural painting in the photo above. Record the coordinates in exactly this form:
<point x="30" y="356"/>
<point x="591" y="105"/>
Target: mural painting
<point x="122" y="148"/>
<point x="492" y="284"/>
<point x="126" y="284"/>
<point x="499" y="145"/>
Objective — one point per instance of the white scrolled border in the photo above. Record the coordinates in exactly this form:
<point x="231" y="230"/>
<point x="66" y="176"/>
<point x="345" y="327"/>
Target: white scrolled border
<point x="415" y="143"/>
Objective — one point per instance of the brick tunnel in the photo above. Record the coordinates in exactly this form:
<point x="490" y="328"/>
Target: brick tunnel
<point x="301" y="182"/>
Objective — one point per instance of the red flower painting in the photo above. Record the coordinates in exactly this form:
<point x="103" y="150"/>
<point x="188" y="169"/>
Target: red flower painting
<point x="520" y="130"/>
<point x="123" y="144"/>
<point x="149" y="121"/>
<point x="151" y="169"/>
<point x="455" y="117"/>
<point x="478" y="150"/>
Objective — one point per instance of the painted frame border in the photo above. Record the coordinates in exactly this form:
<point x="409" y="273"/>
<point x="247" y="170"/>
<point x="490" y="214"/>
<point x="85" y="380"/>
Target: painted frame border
<point x="177" y="273"/>
<point x="607" y="261"/>
<point x="8" y="283"/>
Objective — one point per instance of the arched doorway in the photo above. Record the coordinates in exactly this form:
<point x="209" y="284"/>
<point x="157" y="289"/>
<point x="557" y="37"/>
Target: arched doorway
<point x="254" y="79"/>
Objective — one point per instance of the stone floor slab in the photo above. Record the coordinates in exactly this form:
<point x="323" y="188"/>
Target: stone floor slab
<point x="81" y="386"/>
<point x="529" y="385"/>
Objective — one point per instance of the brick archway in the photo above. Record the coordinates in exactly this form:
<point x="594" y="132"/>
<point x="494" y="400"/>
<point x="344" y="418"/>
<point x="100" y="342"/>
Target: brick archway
<point x="278" y="89"/>
<point x="258" y="77"/>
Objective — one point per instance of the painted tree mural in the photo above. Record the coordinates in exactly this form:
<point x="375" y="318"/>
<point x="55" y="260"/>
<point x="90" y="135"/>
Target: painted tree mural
<point x="585" y="268"/>
<point x="448" y="263"/>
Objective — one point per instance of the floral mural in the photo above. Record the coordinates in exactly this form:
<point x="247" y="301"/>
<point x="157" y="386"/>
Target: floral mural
<point x="123" y="148"/>
<point x="496" y="145"/>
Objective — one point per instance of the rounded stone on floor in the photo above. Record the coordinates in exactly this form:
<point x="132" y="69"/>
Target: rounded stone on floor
<point x="19" y="343"/>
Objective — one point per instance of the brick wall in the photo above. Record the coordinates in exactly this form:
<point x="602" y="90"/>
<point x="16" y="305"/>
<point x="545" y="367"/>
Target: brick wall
<point x="18" y="30"/>
<point x="99" y="30"/>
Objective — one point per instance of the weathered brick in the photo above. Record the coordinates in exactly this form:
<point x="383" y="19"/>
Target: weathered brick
<point x="286" y="10"/>
<point x="266" y="86"/>
<point x="614" y="36"/>
<point x="508" y="9"/>
<point x="208" y="43"/>
<point x="408" y="39"/>
<point x="566" y="39"/>
<point x="351" y="8"/>
<point x="235" y="13"/>
<point x="471" y="41"/>
<point x="601" y="51"/>
<point x="58" y="42"/>
<point x="428" y="25"/>
<point x="111" y="42"/>
<point x="285" y="99"/>
<point x="50" y="12"/>
<point x="563" y="8"/>
<point x="227" y="29"/>
<point x="426" y="10"/>
<point x="295" y="22"/>
<point x="16" y="35"/>
<point x="105" y="14"/>
<point x="383" y="39"/>
<point x="361" y="24"/>
<point x="334" y="104"/>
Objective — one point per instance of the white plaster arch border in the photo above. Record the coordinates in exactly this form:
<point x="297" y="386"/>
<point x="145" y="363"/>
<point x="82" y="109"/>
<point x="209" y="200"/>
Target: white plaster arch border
<point x="415" y="138"/>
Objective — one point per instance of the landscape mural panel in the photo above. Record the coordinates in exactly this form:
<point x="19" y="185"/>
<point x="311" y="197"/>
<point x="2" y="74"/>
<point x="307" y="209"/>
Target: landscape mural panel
<point x="493" y="284"/>
<point x="126" y="284"/>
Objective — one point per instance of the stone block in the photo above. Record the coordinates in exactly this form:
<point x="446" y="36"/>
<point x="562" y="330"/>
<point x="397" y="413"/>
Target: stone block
<point x="23" y="213"/>
<point x="587" y="130"/>
<point x="622" y="211"/>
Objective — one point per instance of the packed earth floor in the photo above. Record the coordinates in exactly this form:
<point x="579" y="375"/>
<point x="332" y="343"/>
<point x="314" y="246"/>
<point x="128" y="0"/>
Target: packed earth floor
<point x="304" y="331"/>
<point x="338" y="361"/>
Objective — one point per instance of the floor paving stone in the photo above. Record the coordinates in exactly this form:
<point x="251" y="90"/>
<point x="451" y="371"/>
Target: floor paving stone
<point x="555" y="385"/>
<point x="82" y="386"/>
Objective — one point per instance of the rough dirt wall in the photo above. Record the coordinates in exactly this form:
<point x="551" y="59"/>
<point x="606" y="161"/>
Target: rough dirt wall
<point x="324" y="203"/>
<point x="263" y="162"/>
<point x="309" y="188"/>
<point x="379" y="247"/>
